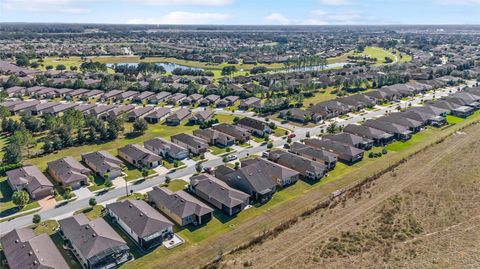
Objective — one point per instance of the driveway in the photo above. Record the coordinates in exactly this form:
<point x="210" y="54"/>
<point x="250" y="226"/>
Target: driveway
<point x="82" y="193"/>
<point x="47" y="202"/>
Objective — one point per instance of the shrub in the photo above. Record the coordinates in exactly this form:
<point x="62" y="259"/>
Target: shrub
<point x="108" y="183"/>
<point x="36" y="219"/>
<point x="384" y="151"/>
<point x="92" y="201"/>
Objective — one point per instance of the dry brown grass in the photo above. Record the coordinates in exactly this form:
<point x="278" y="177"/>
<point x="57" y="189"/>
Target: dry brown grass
<point x="424" y="214"/>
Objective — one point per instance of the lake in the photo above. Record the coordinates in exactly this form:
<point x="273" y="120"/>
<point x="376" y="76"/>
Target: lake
<point x="169" y="67"/>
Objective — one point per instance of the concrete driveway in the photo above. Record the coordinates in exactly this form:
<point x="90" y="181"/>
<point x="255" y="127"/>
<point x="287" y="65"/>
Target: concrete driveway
<point x="47" y="202"/>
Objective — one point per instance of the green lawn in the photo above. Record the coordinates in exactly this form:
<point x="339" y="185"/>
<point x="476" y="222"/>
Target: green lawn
<point x="177" y="184"/>
<point x="219" y="151"/>
<point x="91" y="212"/>
<point x="133" y="196"/>
<point x="258" y="139"/>
<point x="3" y="142"/>
<point x="416" y="138"/>
<point x="279" y="132"/>
<point x="7" y="207"/>
<point x="454" y="119"/>
<point x="134" y="173"/>
<point x="170" y="164"/>
<point x="48" y="226"/>
<point x="322" y="95"/>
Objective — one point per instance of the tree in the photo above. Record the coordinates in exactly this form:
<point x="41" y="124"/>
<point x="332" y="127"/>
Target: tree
<point x="270" y="145"/>
<point x="12" y="154"/>
<point x="60" y="67"/>
<point x="229" y="70"/>
<point x="237" y="165"/>
<point x="36" y="219"/>
<point x="22" y="60"/>
<point x="168" y="180"/>
<point x="144" y="172"/>
<point x="140" y="125"/>
<point x="108" y="183"/>
<point x="198" y="167"/>
<point x="68" y="192"/>
<point x="92" y="202"/>
<point x="332" y="128"/>
<point x="20" y="198"/>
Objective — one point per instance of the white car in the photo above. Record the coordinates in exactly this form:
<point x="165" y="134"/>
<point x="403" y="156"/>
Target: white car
<point x="231" y="157"/>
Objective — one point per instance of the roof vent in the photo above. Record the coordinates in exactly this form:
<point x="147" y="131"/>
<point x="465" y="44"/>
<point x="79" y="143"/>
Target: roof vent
<point x="30" y="253"/>
<point x="17" y="241"/>
<point x="131" y="206"/>
<point x="35" y="262"/>
<point x="94" y="235"/>
<point x="141" y="214"/>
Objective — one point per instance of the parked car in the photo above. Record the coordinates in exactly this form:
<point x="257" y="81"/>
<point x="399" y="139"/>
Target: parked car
<point x="292" y="135"/>
<point x="265" y="154"/>
<point x="208" y="170"/>
<point x="286" y="146"/>
<point x="231" y="157"/>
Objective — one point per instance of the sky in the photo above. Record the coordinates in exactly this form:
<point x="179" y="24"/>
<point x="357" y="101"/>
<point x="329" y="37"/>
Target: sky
<point x="243" y="12"/>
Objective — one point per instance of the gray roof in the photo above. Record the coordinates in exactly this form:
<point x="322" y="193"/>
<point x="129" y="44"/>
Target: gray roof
<point x="91" y="237"/>
<point x="368" y="132"/>
<point x="24" y="250"/>
<point x="190" y="140"/>
<point x="347" y="138"/>
<point x="143" y="219"/>
<point x="138" y="152"/>
<point x="103" y="161"/>
<point x="296" y="162"/>
<point x="318" y="154"/>
<point x="159" y="113"/>
<point x="68" y="169"/>
<point x="162" y="144"/>
<point x="31" y="176"/>
<point x="180" y="114"/>
<point x="179" y="203"/>
<point x="217" y="190"/>
<point x="252" y="123"/>
<point x="335" y="147"/>
<point x="140" y="111"/>
<point x="388" y="127"/>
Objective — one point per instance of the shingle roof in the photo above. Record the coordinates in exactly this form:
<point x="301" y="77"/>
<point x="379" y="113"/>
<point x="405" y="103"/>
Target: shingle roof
<point x="217" y="190"/>
<point x="179" y="203"/>
<point x="23" y="249"/>
<point x="143" y="219"/>
<point x="68" y="169"/>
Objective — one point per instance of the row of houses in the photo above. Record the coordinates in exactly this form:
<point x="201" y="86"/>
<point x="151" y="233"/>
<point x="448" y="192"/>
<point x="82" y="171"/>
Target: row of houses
<point x="341" y="106"/>
<point x="120" y="96"/>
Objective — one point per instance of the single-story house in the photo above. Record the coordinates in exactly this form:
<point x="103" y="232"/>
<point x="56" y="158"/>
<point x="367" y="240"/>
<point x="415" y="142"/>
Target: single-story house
<point x="103" y="163"/>
<point x="139" y="156"/>
<point x="194" y="144"/>
<point x="166" y="149"/>
<point x="68" y="172"/>
<point x="29" y="178"/>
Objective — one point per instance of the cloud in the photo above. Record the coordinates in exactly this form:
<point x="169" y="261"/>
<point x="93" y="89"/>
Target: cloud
<point x="320" y="17"/>
<point x="56" y="6"/>
<point x="336" y="2"/>
<point x="186" y="2"/>
<point x="180" y="17"/>
<point x="277" y="18"/>
<point x="458" y="2"/>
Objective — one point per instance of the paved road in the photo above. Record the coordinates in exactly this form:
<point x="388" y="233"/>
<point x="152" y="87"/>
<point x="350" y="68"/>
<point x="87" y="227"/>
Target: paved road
<point x="68" y="209"/>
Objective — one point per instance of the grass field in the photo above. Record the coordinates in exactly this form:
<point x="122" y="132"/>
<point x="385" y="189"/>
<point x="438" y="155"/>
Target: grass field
<point x="322" y="95"/>
<point x="91" y="212"/>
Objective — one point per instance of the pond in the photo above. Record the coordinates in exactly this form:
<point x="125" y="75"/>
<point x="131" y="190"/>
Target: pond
<point x="169" y="67"/>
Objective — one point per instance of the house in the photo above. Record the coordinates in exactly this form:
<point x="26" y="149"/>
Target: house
<point x="139" y="157"/>
<point x="307" y="168"/>
<point x="400" y="132"/>
<point x="145" y="95"/>
<point x="22" y="249"/>
<point x="84" y="108"/>
<point x="202" y="116"/>
<point x="59" y="110"/>
<point x="111" y="95"/>
<point x="157" y="115"/>
<point x="379" y="137"/>
<point x="344" y="152"/>
<point x="256" y="127"/>
<point x="215" y="138"/>
<point x="251" y="102"/>
<point x="159" y="97"/>
<point x="91" y="95"/>
<point x="413" y="125"/>
<point x="281" y="175"/>
<point x="240" y="134"/>
<point x="139" y="112"/>
<point x="76" y="93"/>
<point x="219" y="194"/>
<point x="178" y="117"/>
<point x="15" y="91"/>
<point x="350" y="139"/>
<point x="29" y="178"/>
<point x="94" y="243"/>
<point x="118" y="110"/>
<point x="40" y="108"/>
<point x="103" y="163"/>
<point x="192" y="99"/>
<point x="228" y="101"/>
<point x="16" y="107"/>
<point x="424" y="118"/>
<point x="176" y="98"/>
<point x="127" y="95"/>
<point x="68" y="172"/>
<point x="99" y="110"/>
<point x="315" y="154"/>
<point x="463" y="111"/>
<point x="180" y="206"/>
<point x="166" y="149"/>
<point x="141" y="222"/>
<point x="194" y="144"/>
<point x="252" y="180"/>
<point x="209" y="100"/>
<point x="300" y="115"/>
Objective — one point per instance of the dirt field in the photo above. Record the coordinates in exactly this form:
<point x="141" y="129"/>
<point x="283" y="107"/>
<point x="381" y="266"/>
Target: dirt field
<point x="424" y="214"/>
